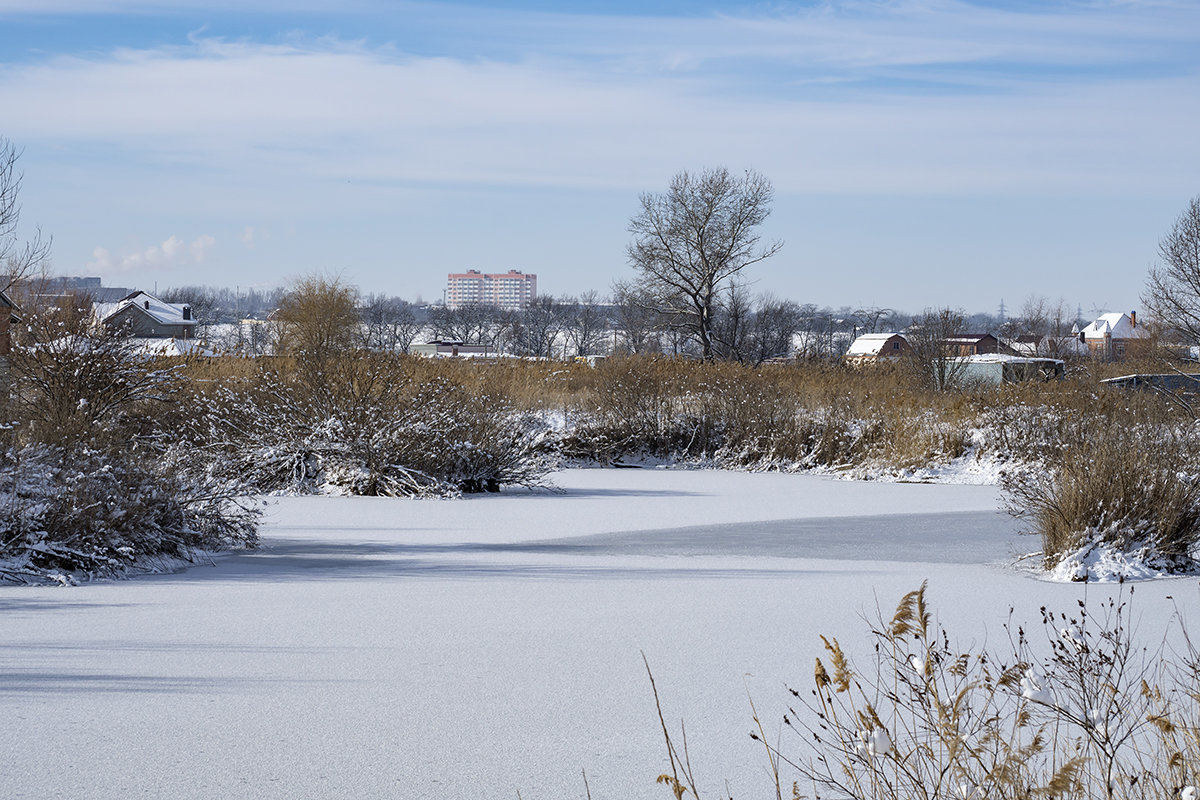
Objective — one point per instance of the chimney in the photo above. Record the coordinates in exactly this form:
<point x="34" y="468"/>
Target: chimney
<point x="146" y="305"/>
<point x="1133" y="318"/>
<point x="187" y="312"/>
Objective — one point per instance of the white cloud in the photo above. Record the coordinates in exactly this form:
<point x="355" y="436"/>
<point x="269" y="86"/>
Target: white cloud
<point x="200" y="247"/>
<point x="169" y="254"/>
<point x="843" y="97"/>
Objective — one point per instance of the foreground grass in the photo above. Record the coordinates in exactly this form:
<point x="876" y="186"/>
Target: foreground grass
<point x="1083" y="713"/>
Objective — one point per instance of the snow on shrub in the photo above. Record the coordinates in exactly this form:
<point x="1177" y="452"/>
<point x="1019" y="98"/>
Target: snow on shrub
<point x="93" y="477"/>
<point x="370" y="430"/>
<point x="95" y="511"/>
<point x="1121" y="500"/>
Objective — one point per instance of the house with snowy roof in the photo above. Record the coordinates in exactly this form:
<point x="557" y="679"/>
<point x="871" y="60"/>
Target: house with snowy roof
<point x="872" y="347"/>
<point x="973" y="344"/>
<point x="1115" y="336"/>
<point x="1047" y="346"/>
<point x="144" y="316"/>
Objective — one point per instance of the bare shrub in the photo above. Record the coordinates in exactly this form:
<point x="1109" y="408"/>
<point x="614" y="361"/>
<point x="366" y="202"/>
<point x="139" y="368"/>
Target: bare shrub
<point x="1086" y="713"/>
<point x="101" y="511"/>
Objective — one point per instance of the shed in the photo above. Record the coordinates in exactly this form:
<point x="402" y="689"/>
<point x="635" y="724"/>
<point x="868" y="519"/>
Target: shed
<point x="997" y="368"/>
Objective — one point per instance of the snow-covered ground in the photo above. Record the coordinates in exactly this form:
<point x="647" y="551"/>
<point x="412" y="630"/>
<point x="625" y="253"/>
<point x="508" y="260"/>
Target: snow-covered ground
<point x="483" y="647"/>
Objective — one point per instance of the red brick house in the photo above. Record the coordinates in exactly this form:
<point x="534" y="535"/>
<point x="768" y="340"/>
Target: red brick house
<point x="1115" y="336"/>
<point x="974" y="344"/>
<point x="871" y="347"/>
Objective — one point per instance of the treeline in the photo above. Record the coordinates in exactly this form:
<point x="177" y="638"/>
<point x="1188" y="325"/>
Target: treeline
<point x="746" y="328"/>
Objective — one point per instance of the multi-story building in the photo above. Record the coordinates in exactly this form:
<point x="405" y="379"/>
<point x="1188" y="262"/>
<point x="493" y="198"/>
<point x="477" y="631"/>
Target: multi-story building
<point x="510" y="291"/>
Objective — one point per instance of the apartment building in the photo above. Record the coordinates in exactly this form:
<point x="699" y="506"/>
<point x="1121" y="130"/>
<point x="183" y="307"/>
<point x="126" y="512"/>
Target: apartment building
<point x="510" y="291"/>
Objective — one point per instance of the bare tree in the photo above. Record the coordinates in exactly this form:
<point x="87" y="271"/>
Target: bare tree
<point x="690" y="241"/>
<point x="389" y="323"/>
<point x="1033" y="319"/>
<point x="1173" y="293"/>
<point x="471" y="323"/>
<point x="637" y="325"/>
<point x="870" y="317"/>
<point x="932" y="356"/>
<point x="586" y="325"/>
<point x="816" y="328"/>
<point x="538" y="325"/>
<point x="18" y="259"/>
<point x="774" y="329"/>
<point x="318" y="318"/>
<point x="732" y="324"/>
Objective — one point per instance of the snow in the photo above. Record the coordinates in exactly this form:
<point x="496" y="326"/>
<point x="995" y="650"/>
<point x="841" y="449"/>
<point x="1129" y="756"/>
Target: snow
<point x="1116" y="324"/>
<point x="1101" y="562"/>
<point x="480" y="647"/>
<point x="868" y="344"/>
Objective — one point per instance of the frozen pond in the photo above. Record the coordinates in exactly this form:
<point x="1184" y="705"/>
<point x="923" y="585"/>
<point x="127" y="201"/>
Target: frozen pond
<point x="477" y="648"/>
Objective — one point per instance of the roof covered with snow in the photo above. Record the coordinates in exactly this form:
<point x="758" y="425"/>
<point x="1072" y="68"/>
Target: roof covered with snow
<point x="1116" y="324"/>
<point x="163" y="313"/>
<point x="869" y="344"/>
<point x="1004" y="358"/>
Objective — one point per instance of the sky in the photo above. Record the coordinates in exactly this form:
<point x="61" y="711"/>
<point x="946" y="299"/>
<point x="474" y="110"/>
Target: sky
<point x="924" y="153"/>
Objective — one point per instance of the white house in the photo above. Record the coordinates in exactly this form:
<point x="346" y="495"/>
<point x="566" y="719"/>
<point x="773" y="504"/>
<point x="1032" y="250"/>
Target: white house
<point x="1114" y="336"/>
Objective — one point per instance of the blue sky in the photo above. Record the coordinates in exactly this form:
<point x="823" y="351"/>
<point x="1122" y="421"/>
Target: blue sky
<point x="924" y="152"/>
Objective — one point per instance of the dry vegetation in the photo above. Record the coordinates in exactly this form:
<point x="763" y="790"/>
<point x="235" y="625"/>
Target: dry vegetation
<point x="1084" y="464"/>
<point x="1084" y="712"/>
<point x="1087" y="466"/>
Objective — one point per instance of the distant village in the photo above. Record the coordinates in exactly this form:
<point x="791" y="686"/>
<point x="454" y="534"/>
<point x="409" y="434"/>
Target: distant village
<point x="495" y="315"/>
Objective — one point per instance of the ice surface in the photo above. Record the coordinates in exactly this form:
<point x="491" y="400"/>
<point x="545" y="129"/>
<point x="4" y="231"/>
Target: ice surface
<point x="477" y="648"/>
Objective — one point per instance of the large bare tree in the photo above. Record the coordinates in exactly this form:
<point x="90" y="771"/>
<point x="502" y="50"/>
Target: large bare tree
<point x="691" y="240"/>
<point x="18" y="259"/>
<point x="1173" y="292"/>
<point x="933" y="356"/>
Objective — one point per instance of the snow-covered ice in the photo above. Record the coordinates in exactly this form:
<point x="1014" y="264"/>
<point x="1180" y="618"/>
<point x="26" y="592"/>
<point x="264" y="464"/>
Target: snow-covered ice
<point x="480" y="647"/>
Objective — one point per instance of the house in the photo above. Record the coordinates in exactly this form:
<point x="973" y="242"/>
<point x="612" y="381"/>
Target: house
<point x="871" y="347"/>
<point x="1050" y="346"/>
<point x="973" y="344"/>
<point x="1115" y="336"/>
<point x="144" y="316"/>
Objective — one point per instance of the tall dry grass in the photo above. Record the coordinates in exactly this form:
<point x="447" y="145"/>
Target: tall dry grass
<point x="1086" y="712"/>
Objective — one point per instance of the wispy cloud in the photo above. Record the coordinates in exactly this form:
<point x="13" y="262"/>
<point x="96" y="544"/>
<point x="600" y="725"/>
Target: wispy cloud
<point x="338" y="110"/>
<point x="171" y="253"/>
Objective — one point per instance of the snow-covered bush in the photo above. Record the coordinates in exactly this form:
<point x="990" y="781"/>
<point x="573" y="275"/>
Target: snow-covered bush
<point x="1115" y="495"/>
<point x="101" y="511"/>
<point x="368" y="427"/>
<point x="93" y="480"/>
